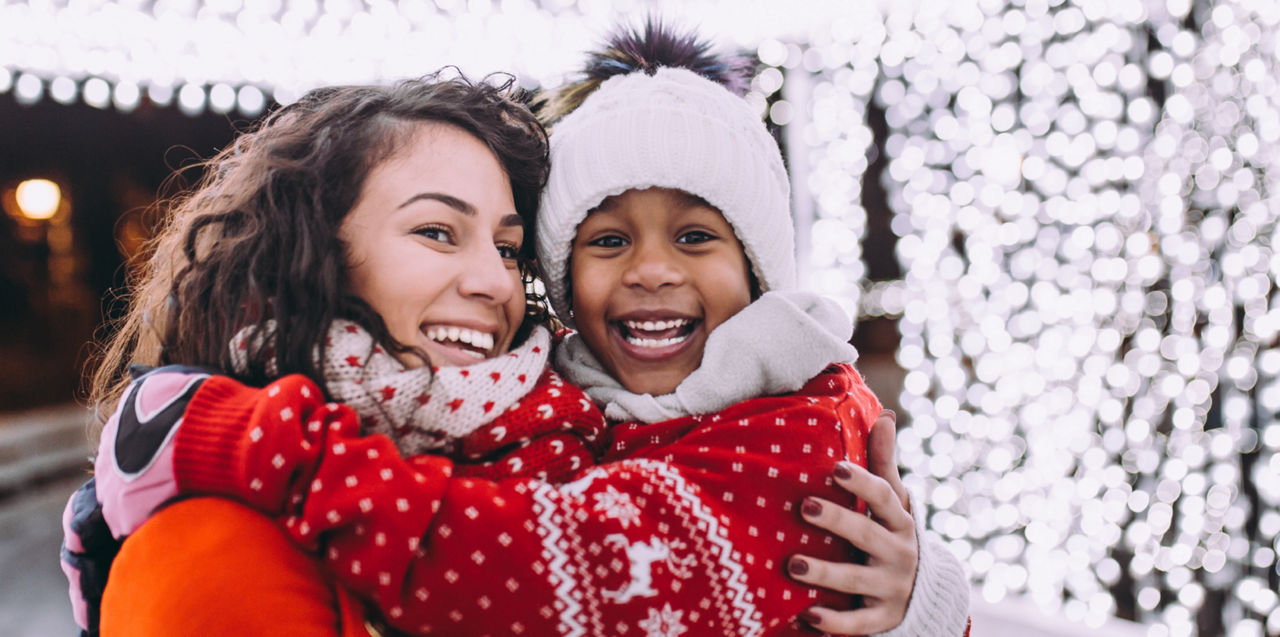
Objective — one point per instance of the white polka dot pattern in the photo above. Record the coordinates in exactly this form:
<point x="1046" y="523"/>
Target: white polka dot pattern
<point x="685" y="528"/>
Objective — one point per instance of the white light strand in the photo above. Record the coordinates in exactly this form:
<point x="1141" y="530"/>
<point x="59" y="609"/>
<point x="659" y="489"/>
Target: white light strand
<point x="1212" y="216"/>
<point x="1089" y="313"/>
<point x="831" y="148"/>
<point x="286" y="47"/>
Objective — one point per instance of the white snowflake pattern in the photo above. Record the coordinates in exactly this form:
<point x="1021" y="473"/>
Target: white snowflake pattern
<point x="617" y="506"/>
<point x="664" y="623"/>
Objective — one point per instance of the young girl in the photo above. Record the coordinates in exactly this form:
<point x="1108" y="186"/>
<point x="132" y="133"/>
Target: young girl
<point x="666" y="242"/>
<point x="362" y="512"/>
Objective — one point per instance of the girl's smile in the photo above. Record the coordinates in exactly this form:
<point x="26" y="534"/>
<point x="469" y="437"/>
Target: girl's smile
<point x="648" y="338"/>
<point x="652" y="273"/>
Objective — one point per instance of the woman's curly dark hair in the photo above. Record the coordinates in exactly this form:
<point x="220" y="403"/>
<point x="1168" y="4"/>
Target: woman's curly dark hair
<point x="257" y="239"/>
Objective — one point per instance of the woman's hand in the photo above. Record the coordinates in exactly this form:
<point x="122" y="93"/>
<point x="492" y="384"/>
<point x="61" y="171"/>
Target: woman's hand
<point x="887" y="535"/>
<point x="134" y="468"/>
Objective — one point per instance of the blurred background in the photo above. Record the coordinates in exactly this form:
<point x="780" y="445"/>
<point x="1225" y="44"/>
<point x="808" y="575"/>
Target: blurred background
<point x="1053" y="218"/>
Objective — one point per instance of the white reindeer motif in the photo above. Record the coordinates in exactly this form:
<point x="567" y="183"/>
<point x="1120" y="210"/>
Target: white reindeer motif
<point x="642" y="555"/>
<point x="578" y="488"/>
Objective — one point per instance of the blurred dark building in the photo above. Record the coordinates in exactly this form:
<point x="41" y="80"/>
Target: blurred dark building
<point x="60" y="278"/>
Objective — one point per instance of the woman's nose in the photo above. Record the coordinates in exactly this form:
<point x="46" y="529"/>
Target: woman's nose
<point x="489" y="276"/>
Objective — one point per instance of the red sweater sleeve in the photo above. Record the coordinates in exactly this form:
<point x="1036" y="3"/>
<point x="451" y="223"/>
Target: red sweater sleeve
<point x="685" y="533"/>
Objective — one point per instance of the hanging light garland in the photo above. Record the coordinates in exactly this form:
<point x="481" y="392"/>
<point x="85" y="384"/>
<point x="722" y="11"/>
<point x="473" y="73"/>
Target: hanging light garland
<point x="225" y="55"/>
<point x="1212" y="214"/>
<point x="830" y="144"/>
<point x="1082" y="196"/>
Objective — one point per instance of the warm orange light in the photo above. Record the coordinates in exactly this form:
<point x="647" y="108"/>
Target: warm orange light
<point x="38" y="199"/>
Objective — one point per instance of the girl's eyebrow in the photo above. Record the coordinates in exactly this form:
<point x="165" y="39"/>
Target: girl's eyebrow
<point x="461" y="206"/>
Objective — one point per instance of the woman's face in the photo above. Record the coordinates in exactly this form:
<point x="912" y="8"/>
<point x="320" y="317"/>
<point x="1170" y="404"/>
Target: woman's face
<point x="653" y="272"/>
<point x="432" y="244"/>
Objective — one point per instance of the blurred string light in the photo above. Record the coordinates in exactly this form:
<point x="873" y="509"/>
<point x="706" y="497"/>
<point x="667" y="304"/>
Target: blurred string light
<point x="1212" y="211"/>
<point x="38" y="199"/>
<point x="1082" y="192"/>
<point x="823" y="105"/>
<point x="200" y="53"/>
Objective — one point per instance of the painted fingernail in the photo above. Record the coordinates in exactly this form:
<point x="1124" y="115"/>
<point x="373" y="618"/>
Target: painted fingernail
<point x="811" y="508"/>
<point x="797" y="566"/>
<point x="808" y="616"/>
<point x="890" y="413"/>
<point x="842" y="471"/>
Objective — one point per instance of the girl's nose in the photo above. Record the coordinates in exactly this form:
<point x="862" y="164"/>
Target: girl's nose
<point x="652" y="267"/>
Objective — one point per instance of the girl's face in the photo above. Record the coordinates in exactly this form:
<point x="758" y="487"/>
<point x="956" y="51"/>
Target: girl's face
<point x="432" y="244"/>
<point x="653" y="272"/>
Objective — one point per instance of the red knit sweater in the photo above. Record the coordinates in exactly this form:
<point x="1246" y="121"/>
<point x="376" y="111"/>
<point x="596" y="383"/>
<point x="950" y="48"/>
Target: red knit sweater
<point x="685" y="531"/>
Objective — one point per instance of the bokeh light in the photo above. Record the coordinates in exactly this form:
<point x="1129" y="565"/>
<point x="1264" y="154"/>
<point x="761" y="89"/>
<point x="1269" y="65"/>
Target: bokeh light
<point x="38" y="199"/>
<point x="1081" y="194"/>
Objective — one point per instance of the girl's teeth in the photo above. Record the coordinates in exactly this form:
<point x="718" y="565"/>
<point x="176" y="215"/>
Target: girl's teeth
<point x="655" y="342"/>
<point x="655" y="326"/>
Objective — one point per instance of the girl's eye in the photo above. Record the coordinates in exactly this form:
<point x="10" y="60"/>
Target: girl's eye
<point x="435" y="233"/>
<point x="608" y="241"/>
<point x="695" y="236"/>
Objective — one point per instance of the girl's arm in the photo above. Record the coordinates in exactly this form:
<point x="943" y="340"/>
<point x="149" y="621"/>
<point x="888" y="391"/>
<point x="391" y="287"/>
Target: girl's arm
<point x="689" y="533"/>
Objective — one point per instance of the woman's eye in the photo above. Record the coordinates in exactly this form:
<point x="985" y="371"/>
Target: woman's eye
<point x="695" y="236"/>
<point x="608" y="241"/>
<point x="509" y="252"/>
<point x="435" y="233"/>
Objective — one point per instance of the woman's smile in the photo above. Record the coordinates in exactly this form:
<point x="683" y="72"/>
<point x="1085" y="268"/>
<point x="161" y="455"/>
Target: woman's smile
<point x="458" y="345"/>
<point x="432" y="245"/>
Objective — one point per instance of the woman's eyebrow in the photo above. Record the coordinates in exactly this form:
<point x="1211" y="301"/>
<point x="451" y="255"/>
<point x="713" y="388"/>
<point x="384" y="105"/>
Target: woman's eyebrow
<point x="461" y="206"/>
<point x="448" y="200"/>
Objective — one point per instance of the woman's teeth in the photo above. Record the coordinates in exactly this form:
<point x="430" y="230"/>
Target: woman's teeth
<point x="481" y="341"/>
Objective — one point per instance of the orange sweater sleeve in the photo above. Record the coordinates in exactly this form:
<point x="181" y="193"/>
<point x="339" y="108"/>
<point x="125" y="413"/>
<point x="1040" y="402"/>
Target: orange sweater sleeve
<point x="210" y="566"/>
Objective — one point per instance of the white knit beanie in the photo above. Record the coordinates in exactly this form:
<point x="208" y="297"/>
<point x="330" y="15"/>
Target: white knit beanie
<point x="673" y="129"/>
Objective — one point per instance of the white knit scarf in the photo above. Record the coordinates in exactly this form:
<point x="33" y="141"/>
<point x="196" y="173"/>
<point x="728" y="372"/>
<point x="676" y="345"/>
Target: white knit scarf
<point x="419" y="409"/>
<point x="773" y="346"/>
